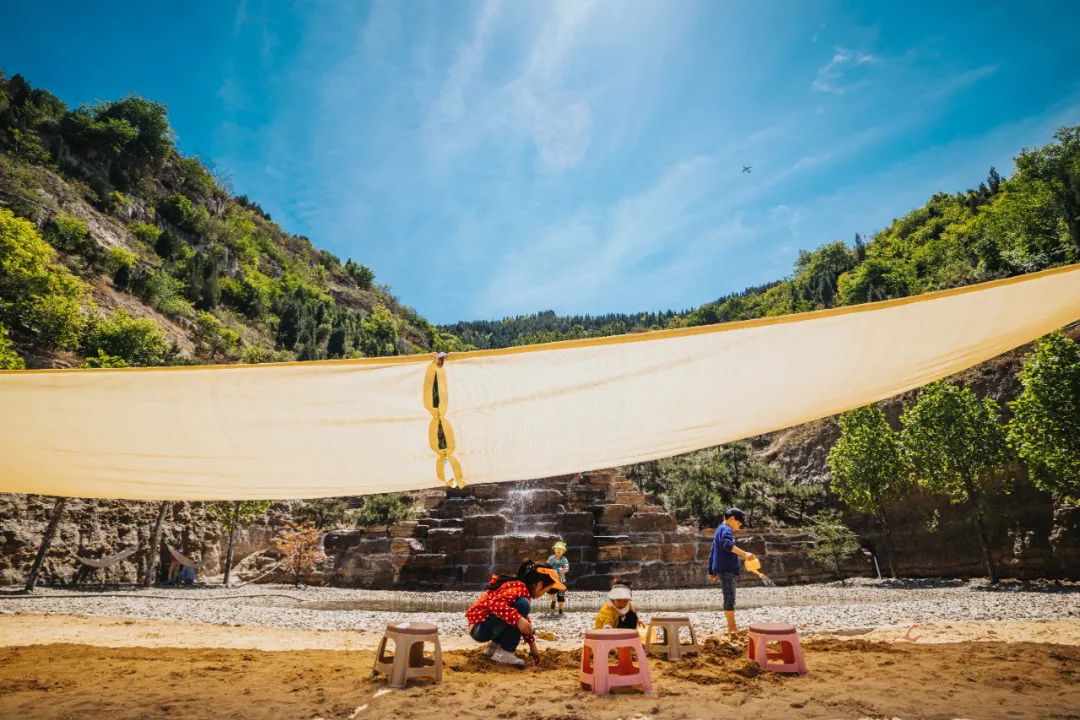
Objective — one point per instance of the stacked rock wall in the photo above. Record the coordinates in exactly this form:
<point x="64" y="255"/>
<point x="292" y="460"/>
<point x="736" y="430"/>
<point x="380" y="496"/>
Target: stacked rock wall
<point x="611" y="530"/>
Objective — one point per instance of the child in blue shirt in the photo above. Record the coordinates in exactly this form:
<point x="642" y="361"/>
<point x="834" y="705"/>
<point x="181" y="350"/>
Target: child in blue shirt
<point x="562" y="566"/>
<point x="724" y="561"/>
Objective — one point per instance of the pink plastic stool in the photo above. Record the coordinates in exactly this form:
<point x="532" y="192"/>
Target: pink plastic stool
<point x="597" y="673"/>
<point x="761" y="634"/>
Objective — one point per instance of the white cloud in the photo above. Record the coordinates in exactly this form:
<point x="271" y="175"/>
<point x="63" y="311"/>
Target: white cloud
<point x="468" y="60"/>
<point x="831" y="76"/>
<point x="956" y="83"/>
<point x="814" y="39"/>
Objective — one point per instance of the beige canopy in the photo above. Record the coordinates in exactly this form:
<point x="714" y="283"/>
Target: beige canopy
<point x="300" y="430"/>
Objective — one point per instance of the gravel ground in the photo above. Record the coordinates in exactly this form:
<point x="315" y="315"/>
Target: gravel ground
<point x="831" y="607"/>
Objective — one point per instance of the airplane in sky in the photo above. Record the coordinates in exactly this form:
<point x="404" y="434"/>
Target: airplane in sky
<point x="746" y="168"/>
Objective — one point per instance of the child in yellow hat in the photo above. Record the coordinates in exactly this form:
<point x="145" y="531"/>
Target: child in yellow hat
<point x="562" y="566"/>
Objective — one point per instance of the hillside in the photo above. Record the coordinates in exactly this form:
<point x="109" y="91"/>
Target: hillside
<point x="117" y="250"/>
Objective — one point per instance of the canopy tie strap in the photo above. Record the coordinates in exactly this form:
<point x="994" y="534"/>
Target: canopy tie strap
<point x="435" y="379"/>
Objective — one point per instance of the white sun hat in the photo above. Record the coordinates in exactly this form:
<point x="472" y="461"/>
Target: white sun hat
<point x="619" y="592"/>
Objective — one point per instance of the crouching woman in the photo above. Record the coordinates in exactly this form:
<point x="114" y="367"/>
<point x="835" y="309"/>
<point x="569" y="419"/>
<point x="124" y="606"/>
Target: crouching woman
<point x="500" y="617"/>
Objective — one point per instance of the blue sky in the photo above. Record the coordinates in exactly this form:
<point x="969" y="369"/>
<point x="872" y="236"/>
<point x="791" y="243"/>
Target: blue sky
<point x="492" y="158"/>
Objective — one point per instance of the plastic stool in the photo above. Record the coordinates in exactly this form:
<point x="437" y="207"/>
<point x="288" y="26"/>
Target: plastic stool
<point x="672" y="647"/>
<point x="597" y="673"/>
<point x="761" y="634"/>
<point x="408" y="660"/>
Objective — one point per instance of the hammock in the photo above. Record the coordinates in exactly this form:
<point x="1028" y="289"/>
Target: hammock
<point x="108" y="561"/>
<point x="355" y="427"/>
<point x="185" y="560"/>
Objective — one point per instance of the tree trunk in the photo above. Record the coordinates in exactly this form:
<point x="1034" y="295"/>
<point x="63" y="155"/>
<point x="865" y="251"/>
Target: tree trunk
<point x="984" y="540"/>
<point x="154" y="551"/>
<point x="46" y="542"/>
<point x="888" y="543"/>
<point x="232" y="542"/>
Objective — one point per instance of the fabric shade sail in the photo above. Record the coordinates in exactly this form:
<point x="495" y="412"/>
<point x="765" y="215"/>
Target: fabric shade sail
<point x="304" y="430"/>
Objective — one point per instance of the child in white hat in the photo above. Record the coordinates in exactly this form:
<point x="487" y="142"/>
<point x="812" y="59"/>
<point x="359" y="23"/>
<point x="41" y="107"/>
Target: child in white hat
<point x="618" y="611"/>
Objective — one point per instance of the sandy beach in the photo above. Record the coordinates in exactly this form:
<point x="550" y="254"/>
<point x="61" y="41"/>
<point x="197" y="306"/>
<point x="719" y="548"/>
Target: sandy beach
<point x="68" y="663"/>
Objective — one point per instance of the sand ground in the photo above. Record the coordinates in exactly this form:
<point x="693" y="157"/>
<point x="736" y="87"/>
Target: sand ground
<point x="97" y="667"/>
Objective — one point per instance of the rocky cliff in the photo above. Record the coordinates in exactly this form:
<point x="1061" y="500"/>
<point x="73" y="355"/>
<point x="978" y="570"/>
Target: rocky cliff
<point x="96" y="528"/>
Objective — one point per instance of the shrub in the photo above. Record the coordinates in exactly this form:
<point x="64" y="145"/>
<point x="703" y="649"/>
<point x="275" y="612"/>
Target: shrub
<point x="834" y="543"/>
<point x="37" y="297"/>
<point x="166" y="294"/>
<point x="101" y="360"/>
<point x="301" y="548"/>
<point x="168" y="245"/>
<point x="323" y="513"/>
<point x="255" y="355"/>
<point x="214" y="337"/>
<point x="9" y="359"/>
<point x="180" y="211"/>
<point x="145" y="232"/>
<point x="119" y="260"/>
<point x="70" y="234"/>
<point x="196" y="177"/>
<point x="138" y="341"/>
<point x="382" y="510"/>
<point x="177" y="209"/>
<point x="361" y="274"/>
<point x="251" y="294"/>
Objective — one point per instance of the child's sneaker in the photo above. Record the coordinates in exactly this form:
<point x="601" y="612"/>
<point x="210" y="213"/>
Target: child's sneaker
<point x="491" y="648"/>
<point x="507" y="658"/>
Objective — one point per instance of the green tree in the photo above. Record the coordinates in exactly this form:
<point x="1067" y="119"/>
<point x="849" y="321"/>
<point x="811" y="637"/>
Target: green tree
<point x="215" y="339"/>
<point x="363" y="276"/>
<point x="322" y="513"/>
<point x="232" y="515"/>
<point x="1058" y="165"/>
<point x="37" y="297"/>
<point x="817" y="273"/>
<point x="9" y="359"/>
<point x="876" y="280"/>
<point x="868" y="472"/>
<point x="166" y="294"/>
<point x="1045" y="428"/>
<point x="138" y="341"/>
<point x="146" y="232"/>
<point x="382" y="510"/>
<point x="379" y="333"/>
<point x="834" y="543"/>
<point x="955" y="446"/>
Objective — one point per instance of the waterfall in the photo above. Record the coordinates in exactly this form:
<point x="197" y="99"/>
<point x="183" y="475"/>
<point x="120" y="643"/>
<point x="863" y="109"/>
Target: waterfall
<point x="517" y="511"/>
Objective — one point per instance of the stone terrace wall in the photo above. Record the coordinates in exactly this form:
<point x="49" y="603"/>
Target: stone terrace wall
<point x="611" y="530"/>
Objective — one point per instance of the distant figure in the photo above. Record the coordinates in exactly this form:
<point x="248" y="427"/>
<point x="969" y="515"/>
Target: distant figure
<point x="746" y="168"/>
<point x="174" y="567"/>
<point x="186" y="576"/>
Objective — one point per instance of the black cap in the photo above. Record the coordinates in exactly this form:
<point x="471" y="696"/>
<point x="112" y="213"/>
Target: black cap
<point x="735" y="513"/>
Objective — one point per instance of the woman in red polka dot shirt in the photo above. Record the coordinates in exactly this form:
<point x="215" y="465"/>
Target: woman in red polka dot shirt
<point x="501" y="616"/>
